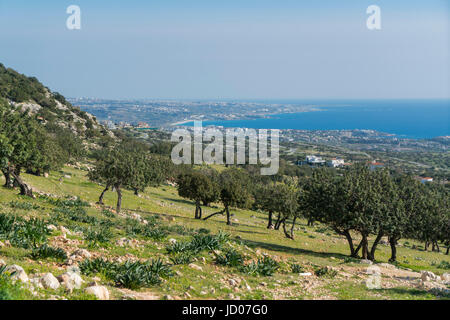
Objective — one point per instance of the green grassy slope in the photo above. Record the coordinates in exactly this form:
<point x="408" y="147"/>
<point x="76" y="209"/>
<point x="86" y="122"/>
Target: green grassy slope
<point x="313" y="248"/>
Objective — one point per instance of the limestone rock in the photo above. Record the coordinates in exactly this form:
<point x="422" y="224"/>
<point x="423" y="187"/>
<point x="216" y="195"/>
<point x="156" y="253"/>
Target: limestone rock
<point x="81" y="253"/>
<point x="70" y="281"/>
<point x="17" y="273"/>
<point x="100" y="292"/>
<point x="49" y="281"/>
<point x="428" y="276"/>
<point x="196" y="267"/>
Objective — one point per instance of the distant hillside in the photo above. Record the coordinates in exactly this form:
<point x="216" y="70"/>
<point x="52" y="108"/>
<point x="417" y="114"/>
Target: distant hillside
<point x="28" y="93"/>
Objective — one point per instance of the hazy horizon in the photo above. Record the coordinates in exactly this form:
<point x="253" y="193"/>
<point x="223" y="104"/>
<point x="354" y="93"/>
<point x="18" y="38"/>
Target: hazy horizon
<point x="231" y="50"/>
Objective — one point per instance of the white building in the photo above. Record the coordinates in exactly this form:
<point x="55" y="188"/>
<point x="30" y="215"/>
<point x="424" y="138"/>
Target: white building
<point x="314" y="160"/>
<point x="336" y="162"/>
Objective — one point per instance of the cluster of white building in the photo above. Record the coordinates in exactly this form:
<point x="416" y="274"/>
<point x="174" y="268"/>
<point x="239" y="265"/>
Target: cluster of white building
<point x="318" y="161"/>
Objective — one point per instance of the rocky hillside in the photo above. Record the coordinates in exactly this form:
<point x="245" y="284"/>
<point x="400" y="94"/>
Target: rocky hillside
<point x="27" y="93"/>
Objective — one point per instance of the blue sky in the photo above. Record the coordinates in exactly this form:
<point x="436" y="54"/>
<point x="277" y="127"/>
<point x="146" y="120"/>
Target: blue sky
<point x="266" y="49"/>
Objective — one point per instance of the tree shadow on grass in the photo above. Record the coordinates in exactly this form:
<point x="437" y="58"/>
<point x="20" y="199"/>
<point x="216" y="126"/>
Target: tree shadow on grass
<point x="291" y="250"/>
<point x="250" y="232"/>
<point x="182" y="201"/>
<point x="412" y="292"/>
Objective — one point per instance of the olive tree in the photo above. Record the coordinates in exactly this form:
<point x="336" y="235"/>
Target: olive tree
<point x="199" y="188"/>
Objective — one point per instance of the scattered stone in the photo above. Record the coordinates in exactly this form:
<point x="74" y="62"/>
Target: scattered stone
<point x="36" y="282"/>
<point x="49" y="281"/>
<point x="428" y="276"/>
<point x="387" y="265"/>
<point x="445" y="277"/>
<point x="17" y="273"/>
<point x="64" y="230"/>
<point x="233" y="282"/>
<point x="172" y="241"/>
<point x="366" y="261"/>
<point x="101" y="292"/>
<point x="2" y="263"/>
<point x="52" y="227"/>
<point x="81" y="253"/>
<point x="196" y="267"/>
<point x="70" y="281"/>
<point x="128" y="296"/>
<point x="305" y="274"/>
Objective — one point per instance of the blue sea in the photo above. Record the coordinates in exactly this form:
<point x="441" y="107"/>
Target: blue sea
<point x="417" y="119"/>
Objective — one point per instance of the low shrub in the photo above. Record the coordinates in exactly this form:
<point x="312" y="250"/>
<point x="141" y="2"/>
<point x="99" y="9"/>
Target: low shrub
<point x="155" y="233"/>
<point x="325" y="272"/>
<point x="130" y="274"/>
<point x="68" y="202"/>
<point x="45" y="252"/>
<point x="263" y="267"/>
<point x="182" y="258"/>
<point x="443" y="265"/>
<point x="98" y="235"/>
<point x="230" y="258"/>
<point x="108" y="214"/>
<point x="296" y="268"/>
<point x="23" y="233"/>
<point x="199" y="243"/>
<point x="23" y="205"/>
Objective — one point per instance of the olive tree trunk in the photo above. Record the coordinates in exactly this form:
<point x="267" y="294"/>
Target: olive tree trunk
<point x="119" y="199"/>
<point x="100" y="199"/>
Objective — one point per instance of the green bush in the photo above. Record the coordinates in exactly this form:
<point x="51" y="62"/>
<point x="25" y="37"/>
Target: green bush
<point x="263" y="267"/>
<point x="203" y="231"/>
<point x="23" y="205"/>
<point x="108" y="213"/>
<point x="130" y="274"/>
<point x="325" y="272"/>
<point x="231" y="258"/>
<point x="296" y="268"/>
<point x="155" y="233"/>
<point x="178" y="247"/>
<point x="68" y="202"/>
<point x="97" y="265"/>
<point x="77" y="214"/>
<point x="23" y="233"/>
<point x="45" y="251"/>
<point x="199" y="243"/>
<point x="99" y="235"/>
<point x="182" y="258"/>
<point x="443" y="265"/>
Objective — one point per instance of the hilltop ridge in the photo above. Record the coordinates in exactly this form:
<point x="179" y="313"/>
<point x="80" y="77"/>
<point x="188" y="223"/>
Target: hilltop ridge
<point x="28" y="93"/>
